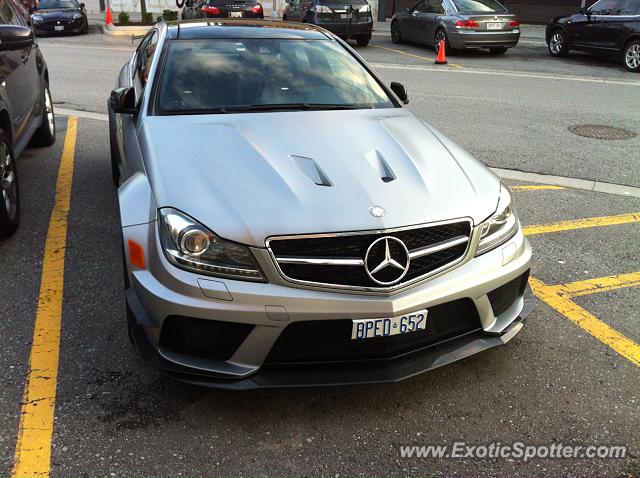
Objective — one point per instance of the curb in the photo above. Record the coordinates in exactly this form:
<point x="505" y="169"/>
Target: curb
<point x="121" y="31"/>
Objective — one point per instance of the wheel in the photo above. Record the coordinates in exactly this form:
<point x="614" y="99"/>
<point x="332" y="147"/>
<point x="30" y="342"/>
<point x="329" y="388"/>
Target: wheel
<point x="45" y="135"/>
<point x="284" y="18"/>
<point x="441" y="35"/>
<point x="632" y="56"/>
<point x="9" y="192"/>
<point x="498" y="50"/>
<point x="396" y="36"/>
<point x="363" y="41"/>
<point x="558" y="44"/>
<point x="85" y="28"/>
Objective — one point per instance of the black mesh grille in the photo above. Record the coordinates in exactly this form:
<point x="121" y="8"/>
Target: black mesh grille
<point x="356" y="247"/>
<point x="211" y="339"/>
<point x="330" y="340"/>
<point x="504" y="296"/>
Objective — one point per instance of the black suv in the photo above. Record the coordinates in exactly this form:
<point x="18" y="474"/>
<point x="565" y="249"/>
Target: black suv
<point x="610" y="27"/>
<point x="26" y="109"/>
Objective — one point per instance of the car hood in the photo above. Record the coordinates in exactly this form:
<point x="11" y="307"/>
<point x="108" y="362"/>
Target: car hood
<point x="59" y="12"/>
<point x="251" y="176"/>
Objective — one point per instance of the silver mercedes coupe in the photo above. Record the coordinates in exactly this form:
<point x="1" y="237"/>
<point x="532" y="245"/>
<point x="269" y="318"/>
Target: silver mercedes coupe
<point x="286" y="221"/>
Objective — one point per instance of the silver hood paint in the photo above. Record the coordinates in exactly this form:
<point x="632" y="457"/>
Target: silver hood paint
<point x="235" y="172"/>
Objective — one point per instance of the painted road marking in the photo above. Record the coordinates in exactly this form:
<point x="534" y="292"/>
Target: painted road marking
<point x="600" y="284"/>
<point x="508" y="74"/>
<point x="541" y="187"/>
<point x="412" y="55"/>
<point x="582" y="224"/>
<point x="588" y="322"/>
<point x="33" y="448"/>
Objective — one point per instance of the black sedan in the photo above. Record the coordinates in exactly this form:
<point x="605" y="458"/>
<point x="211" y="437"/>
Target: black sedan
<point x="608" y="27"/>
<point x="59" y="16"/>
<point x="347" y="19"/>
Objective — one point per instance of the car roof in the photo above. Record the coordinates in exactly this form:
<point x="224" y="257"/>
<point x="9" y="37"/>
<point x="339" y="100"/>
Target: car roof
<point x="217" y="28"/>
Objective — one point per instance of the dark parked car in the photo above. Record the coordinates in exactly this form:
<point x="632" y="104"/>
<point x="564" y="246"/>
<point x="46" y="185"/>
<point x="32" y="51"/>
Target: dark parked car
<point x="59" y="16"/>
<point x="609" y="27"/>
<point x="223" y="9"/>
<point x="345" y="19"/>
<point x="26" y="109"/>
<point x="459" y="23"/>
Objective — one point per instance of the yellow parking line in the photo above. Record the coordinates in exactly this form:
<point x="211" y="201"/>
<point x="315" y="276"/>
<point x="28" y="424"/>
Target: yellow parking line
<point x="598" y="329"/>
<point x="541" y="187"/>
<point x="582" y="224"/>
<point x="33" y="449"/>
<point x="600" y="284"/>
<point x="412" y="55"/>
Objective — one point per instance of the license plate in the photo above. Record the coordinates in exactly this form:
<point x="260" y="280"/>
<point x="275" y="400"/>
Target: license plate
<point x="494" y="26"/>
<point x="402" y="324"/>
<point x="345" y="16"/>
<point x="59" y="28"/>
<point x="235" y="14"/>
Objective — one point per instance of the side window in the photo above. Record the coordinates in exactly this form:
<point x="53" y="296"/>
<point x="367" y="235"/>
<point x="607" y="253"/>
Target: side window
<point x="144" y="58"/>
<point x="434" y="6"/>
<point x="419" y="7"/>
<point x="628" y="7"/>
<point x="604" y="7"/>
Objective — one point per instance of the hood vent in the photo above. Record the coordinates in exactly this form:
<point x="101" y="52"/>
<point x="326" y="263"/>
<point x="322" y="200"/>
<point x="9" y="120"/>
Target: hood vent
<point x="380" y="165"/>
<point x="309" y="167"/>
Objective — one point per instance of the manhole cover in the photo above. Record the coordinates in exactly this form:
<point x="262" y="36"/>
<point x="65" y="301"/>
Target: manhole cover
<point x="598" y="131"/>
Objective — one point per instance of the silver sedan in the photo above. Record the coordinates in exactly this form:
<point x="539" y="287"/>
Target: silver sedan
<point x="460" y="24"/>
<point x="287" y="221"/>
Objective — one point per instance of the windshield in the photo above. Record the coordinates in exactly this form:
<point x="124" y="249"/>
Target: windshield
<point x="51" y="4"/>
<point x="224" y="75"/>
<point x="489" y="6"/>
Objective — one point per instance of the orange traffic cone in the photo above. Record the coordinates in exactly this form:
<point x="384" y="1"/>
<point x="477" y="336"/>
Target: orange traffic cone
<point x="109" y="16"/>
<point x="442" y="56"/>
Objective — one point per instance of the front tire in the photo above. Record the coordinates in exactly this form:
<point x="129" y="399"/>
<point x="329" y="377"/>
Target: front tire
<point x="45" y="135"/>
<point x="558" y="44"/>
<point x="9" y="192"/>
<point x="631" y="56"/>
<point x="396" y="35"/>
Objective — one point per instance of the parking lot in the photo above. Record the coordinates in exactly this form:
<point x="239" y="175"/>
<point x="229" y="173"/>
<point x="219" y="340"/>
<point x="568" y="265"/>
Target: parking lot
<point x="571" y="376"/>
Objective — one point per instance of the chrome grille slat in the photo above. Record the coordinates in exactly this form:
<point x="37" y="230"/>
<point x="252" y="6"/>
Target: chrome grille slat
<point x="331" y="260"/>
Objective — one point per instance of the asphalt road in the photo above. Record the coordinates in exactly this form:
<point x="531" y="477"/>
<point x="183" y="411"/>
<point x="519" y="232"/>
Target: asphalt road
<point x="555" y="382"/>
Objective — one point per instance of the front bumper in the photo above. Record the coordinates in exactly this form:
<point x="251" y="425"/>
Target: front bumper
<point x="163" y="291"/>
<point x="462" y="39"/>
<point x="49" y="28"/>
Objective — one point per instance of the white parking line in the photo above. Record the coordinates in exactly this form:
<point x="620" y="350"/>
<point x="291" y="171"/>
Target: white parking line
<point x="517" y="74"/>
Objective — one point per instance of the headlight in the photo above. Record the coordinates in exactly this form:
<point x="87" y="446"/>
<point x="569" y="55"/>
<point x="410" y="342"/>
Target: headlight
<point x="501" y="226"/>
<point x="77" y="16"/>
<point x="323" y="9"/>
<point x="189" y="245"/>
<point x="365" y="8"/>
<point x="37" y="18"/>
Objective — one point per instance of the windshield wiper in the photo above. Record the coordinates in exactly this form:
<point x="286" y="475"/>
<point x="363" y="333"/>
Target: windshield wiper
<point x="301" y="106"/>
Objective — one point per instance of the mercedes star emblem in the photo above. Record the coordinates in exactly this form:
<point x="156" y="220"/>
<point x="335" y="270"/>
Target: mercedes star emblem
<point x="377" y="211"/>
<point x="387" y="260"/>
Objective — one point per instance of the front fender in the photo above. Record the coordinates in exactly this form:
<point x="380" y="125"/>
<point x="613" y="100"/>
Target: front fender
<point x="137" y="205"/>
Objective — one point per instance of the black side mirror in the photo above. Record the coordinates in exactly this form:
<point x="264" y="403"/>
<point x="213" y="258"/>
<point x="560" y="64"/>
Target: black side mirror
<point x="14" y="37"/>
<point x="123" y="101"/>
<point x="82" y="5"/>
<point x="400" y="91"/>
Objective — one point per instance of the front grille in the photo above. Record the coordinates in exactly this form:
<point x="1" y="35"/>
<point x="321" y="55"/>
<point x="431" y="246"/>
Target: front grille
<point x="343" y="255"/>
<point x="330" y="340"/>
<point x="504" y="296"/>
<point x="210" y="339"/>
